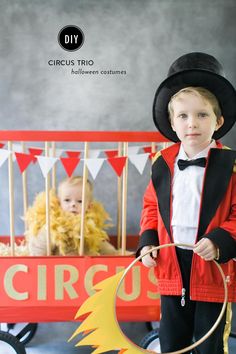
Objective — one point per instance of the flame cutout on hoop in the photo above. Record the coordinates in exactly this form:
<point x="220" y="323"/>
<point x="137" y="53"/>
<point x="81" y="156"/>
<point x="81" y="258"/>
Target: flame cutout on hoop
<point x="101" y="325"/>
<point x="100" y="328"/>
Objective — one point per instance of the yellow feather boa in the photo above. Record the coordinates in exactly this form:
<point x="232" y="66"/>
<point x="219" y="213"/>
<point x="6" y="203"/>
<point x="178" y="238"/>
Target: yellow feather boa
<point x="19" y="249"/>
<point x="65" y="226"/>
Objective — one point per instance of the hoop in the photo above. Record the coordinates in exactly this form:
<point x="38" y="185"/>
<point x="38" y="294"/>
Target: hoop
<point x="211" y="330"/>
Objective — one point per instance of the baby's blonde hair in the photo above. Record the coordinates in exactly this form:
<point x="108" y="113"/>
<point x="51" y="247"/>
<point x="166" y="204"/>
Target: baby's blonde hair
<point x="203" y="93"/>
<point x="77" y="180"/>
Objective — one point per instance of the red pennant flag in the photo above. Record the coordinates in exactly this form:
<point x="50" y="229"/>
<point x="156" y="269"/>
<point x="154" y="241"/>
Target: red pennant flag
<point x="23" y="160"/>
<point x="152" y="154"/>
<point x="147" y="149"/>
<point x="1" y="145"/>
<point x="73" y="153"/>
<point x="117" y="164"/>
<point x="69" y="164"/>
<point x="35" y="152"/>
<point x="111" y="153"/>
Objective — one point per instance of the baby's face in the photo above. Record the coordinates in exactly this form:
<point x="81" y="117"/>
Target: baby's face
<point x="70" y="197"/>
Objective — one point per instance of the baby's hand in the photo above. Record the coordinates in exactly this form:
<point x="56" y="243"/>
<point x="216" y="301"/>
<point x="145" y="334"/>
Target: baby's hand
<point x="206" y="249"/>
<point x="149" y="260"/>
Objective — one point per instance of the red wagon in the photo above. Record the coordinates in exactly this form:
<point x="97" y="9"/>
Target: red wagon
<point x="52" y="288"/>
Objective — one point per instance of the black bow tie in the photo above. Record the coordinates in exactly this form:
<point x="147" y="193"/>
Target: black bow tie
<point x="197" y="162"/>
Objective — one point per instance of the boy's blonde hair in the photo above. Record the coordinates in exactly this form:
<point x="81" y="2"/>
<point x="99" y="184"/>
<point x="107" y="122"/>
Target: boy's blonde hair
<point x="203" y="93"/>
<point x="77" y="180"/>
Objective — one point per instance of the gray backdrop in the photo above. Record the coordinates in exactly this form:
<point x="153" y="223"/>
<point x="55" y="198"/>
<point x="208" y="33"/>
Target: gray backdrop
<point x="139" y="37"/>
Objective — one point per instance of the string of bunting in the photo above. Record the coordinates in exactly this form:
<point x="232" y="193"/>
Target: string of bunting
<point x="93" y="153"/>
<point x="72" y="160"/>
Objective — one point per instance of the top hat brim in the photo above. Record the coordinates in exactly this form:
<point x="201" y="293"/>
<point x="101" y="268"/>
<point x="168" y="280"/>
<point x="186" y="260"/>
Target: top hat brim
<point x="217" y="84"/>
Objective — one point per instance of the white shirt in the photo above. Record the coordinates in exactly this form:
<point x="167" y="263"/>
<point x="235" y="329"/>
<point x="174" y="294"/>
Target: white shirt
<point x="186" y="198"/>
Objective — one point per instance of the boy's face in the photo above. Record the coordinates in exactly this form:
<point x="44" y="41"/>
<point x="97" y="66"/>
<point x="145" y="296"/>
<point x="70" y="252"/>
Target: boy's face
<point x="194" y="121"/>
<point x="70" y="197"/>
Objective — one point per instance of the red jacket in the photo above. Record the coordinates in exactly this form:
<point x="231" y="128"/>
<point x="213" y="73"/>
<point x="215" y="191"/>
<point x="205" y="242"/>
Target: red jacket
<point x="217" y="221"/>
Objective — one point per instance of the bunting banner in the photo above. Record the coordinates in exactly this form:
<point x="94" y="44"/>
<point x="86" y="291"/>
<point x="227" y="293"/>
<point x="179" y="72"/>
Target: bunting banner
<point x="73" y="154"/>
<point x="139" y="161"/>
<point x="35" y="152"/>
<point x="23" y="160"/>
<point x="4" y="154"/>
<point x="55" y="152"/>
<point x="94" y="153"/>
<point x="118" y="164"/>
<point x="94" y="166"/>
<point x="69" y="164"/>
<point x="152" y="154"/>
<point x="133" y="150"/>
<point x="16" y="148"/>
<point x="111" y="153"/>
<point x="46" y="164"/>
<point x="148" y="149"/>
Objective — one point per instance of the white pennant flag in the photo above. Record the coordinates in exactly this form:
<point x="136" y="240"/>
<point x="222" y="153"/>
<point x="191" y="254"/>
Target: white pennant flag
<point x="16" y="148"/>
<point x="93" y="154"/>
<point x="139" y="161"/>
<point x="133" y="150"/>
<point x="4" y="154"/>
<point x="94" y="166"/>
<point x="56" y="153"/>
<point x="46" y="164"/>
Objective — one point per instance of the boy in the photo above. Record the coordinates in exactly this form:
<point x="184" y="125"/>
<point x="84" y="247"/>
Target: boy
<point x="65" y="212"/>
<point x="191" y="199"/>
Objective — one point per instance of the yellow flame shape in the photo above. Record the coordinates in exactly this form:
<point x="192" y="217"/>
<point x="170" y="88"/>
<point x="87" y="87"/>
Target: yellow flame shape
<point x="101" y="326"/>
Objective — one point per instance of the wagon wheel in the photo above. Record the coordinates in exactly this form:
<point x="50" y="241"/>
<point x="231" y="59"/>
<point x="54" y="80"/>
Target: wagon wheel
<point x="152" y="325"/>
<point x="13" y="342"/>
<point x="23" y="332"/>
<point x="151" y="342"/>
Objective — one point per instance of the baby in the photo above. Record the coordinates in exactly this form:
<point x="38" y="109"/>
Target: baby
<point x="65" y="222"/>
<point x="70" y="194"/>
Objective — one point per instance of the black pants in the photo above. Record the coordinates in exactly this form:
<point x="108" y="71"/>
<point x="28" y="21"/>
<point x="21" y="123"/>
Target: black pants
<point x="180" y="324"/>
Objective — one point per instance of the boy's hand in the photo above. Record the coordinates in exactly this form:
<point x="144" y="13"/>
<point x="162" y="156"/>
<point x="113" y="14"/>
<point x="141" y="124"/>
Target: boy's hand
<point x="149" y="260"/>
<point x="206" y="249"/>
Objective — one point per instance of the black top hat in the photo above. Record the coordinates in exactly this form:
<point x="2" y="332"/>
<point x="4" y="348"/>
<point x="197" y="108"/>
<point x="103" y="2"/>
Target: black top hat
<point x="198" y="70"/>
